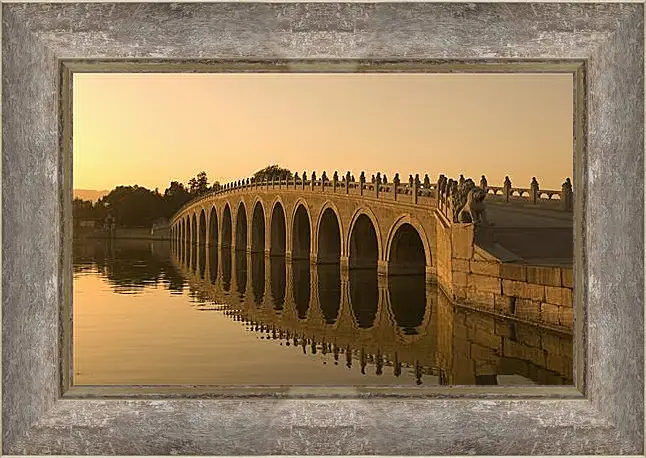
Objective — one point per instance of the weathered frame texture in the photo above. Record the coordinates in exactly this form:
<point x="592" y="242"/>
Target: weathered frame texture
<point x="606" y="419"/>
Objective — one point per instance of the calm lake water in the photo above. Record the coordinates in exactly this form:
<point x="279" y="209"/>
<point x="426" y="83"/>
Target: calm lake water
<point x="144" y="314"/>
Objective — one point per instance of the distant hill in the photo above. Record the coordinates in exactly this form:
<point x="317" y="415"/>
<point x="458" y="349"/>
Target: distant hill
<point x="89" y="194"/>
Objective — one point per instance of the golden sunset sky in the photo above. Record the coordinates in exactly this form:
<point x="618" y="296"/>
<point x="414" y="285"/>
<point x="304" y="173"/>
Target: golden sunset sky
<point x="150" y="129"/>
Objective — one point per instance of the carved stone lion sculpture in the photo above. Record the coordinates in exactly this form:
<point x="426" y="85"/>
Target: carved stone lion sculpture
<point x="459" y="195"/>
<point x="474" y="211"/>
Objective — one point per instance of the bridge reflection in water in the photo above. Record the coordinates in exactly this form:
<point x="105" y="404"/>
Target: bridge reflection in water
<point x="372" y="320"/>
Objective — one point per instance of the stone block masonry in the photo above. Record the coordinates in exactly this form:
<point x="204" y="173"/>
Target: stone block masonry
<point x="542" y="275"/>
<point x="540" y="294"/>
<point x="517" y="272"/>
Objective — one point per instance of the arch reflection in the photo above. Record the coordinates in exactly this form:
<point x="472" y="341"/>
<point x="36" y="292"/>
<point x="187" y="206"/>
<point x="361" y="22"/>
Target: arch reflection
<point x="277" y="281"/>
<point x="241" y="273"/>
<point x="226" y="268"/>
<point x="258" y="277"/>
<point x="301" y="287"/>
<point x="407" y="295"/>
<point x="364" y="296"/>
<point x="193" y="257"/>
<point x="202" y="260"/>
<point x="402" y="305"/>
<point x="329" y="291"/>
<point x="213" y="263"/>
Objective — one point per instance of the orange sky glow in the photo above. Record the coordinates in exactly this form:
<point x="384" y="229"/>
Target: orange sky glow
<point x="151" y="129"/>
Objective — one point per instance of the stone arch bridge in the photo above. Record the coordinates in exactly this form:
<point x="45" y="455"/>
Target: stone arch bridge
<point x="321" y="222"/>
<point x="398" y="228"/>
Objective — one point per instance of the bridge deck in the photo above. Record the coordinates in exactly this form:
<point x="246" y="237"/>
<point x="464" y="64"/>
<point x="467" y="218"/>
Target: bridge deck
<point x="537" y="236"/>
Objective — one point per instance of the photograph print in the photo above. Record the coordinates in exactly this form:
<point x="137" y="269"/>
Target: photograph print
<point x="323" y="229"/>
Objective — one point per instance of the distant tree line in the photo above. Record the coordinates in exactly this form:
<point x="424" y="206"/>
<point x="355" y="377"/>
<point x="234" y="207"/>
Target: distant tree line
<point x="136" y="206"/>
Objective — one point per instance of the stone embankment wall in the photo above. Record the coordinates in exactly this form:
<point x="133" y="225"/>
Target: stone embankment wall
<point x="472" y="276"/>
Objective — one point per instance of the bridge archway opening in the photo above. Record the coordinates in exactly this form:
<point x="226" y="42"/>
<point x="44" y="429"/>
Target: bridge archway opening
<point x="213" y="228"/>
<point x="187" y="242"/>
<point x="194" y="242"/>
<point x="258" y="229"/>
<point x="241" y="228"/>
<point x="202" y="238"/>
<point x="182" y="239"/>
<point x="407" y="254"/>
<point x="226" y="227"/>
<point x="194" y="229"/>
<point x="301" y="234"/>
<point x="329" y="238"/>
<point x="364" y="248"/>
<point x="278" y="231"/>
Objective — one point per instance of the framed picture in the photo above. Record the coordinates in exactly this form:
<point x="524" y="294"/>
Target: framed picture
<point x="491" y="296"/>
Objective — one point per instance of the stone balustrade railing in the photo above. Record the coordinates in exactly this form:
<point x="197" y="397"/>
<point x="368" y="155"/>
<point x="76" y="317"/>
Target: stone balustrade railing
<point x="414" y="190"/>
<point x="449" y="191"/>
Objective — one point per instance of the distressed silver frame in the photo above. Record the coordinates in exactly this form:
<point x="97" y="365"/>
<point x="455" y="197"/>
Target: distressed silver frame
<point x="39" y="416"/>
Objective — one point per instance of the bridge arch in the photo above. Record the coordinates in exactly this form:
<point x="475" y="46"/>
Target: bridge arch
<point x="301" y="236"/>
<point x="213" y="227"/>
<point x="227" y="226"/>
<point x="193" y="246"/>
<point x="241" y="227"/>
<point x="278" y="228"/>
<point x="329" y="235"/>
<point x="258" y="227"/>
<point x="187" y="228"/>
<point x="405" y="238"/>
<point x="364" y="243"/>
<point x="202" y="231"/>
<point x="194" y="228"/>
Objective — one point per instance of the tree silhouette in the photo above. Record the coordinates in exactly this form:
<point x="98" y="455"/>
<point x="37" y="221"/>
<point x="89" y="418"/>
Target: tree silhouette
<point x="198" y="185"/>
<point x="175" y="196"/>
<point x="272" y="172"/>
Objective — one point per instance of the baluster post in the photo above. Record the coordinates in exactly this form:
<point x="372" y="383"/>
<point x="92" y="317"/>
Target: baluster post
<point x="507" y="188"/>
<point x="534" y="191"/>
<point x="483" y="183"/>
<point x="377" y="184"/>
<point x="362" y="180"/>
<point x="395" y="185"/>
<point x="323" y="180"/>
<point x="566" y="195"/>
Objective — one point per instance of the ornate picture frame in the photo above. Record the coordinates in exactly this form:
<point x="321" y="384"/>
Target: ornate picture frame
<point x="603" y="413"/>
